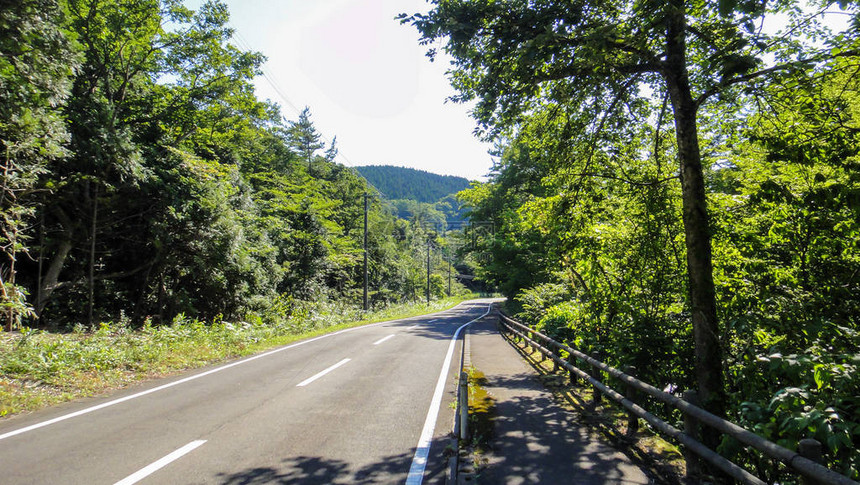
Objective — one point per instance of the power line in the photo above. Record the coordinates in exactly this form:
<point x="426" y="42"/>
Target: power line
<point x="270" y="78"/>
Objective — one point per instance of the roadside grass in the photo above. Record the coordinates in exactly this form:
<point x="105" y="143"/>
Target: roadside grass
<point x="482" y="411"/>
<point x="40" y="369"/>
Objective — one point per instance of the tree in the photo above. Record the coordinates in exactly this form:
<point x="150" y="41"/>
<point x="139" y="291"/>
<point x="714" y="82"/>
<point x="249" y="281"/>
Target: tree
<point x="600" y="59"/>
<point x="36" y="63"/>
<point x="159" y="119"/>
<point x="331" y="151"/>
<point x="304" y="138"/>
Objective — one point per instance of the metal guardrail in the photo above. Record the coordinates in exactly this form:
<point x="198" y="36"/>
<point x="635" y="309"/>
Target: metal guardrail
<point x="807" y="467"/>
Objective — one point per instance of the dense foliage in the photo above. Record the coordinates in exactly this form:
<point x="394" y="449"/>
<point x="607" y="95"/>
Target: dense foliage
<point x="142" y="177"/>
<point x="678" y="190"/>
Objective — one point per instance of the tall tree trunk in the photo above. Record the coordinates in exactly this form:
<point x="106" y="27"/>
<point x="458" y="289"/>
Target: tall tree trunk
<point x="92" y="281"/>
<point x="52" y="275"/>
<point x="709" y="372"/>
<point x="9" y="230"/>
<point x="9" y="315"/>
<point x="41" y="259"/>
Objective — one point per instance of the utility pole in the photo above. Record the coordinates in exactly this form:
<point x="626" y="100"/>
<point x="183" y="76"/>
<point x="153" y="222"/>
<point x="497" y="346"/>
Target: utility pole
<point x="449" y="275"/>
<point x="365" y="251"/>
<point x="428" y="269"/>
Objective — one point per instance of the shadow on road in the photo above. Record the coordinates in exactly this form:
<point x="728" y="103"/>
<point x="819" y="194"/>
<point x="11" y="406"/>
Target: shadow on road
<point x="535" y="440"/>
<point x="318" y="470"/>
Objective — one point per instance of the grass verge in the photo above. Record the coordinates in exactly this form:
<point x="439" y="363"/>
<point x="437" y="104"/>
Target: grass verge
<point x="39" y="369"/>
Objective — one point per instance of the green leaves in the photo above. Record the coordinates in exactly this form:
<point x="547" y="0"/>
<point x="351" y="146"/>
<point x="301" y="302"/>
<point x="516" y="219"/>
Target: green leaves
<point x="727" y="7"/>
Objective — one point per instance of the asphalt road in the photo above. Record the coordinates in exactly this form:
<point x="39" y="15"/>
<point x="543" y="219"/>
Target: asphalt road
<point x="349" y="407"/>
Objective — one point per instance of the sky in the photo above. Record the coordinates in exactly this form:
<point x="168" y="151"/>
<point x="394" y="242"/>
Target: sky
<point x="366" y="80"/>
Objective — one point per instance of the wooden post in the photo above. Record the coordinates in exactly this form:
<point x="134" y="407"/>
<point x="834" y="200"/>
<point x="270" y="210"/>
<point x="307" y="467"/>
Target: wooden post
<point x="556" y="352"/>
<point x="630" y="392"/>
<point x="572" y="361"/>
<point x="810" y="449"/>
<point x="691" y="429"/>
<point x="595" y="374"/>
<point x="464" y="406"/>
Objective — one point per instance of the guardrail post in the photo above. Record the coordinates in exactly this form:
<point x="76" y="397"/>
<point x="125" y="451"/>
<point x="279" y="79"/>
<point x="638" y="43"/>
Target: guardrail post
<point x="464" y="406"/>
<point x="810" y="449"/>
<point x="630" y="392"/>
<point x="595" y="374"/>
<point x="572" y="361"/>
<point x="542" y="355"/>
<point x="691" y="429"/>
<point x="556" y="354"/>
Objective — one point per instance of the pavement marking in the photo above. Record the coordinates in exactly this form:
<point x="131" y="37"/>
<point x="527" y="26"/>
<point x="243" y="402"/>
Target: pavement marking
<point x="413" y="326"/>
<point x="317" y="376"/>
<point x="431" y="321"/>
<point x="155" y="466"/>
<point x="176" y="383"/>
<point x="383" y="339"/>
<point x="183" y="381"/>
<point x="422" y="451"/>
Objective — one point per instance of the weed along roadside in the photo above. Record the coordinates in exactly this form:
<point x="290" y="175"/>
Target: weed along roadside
<point x="481" y="411"/>
<point x="39" y="369"/>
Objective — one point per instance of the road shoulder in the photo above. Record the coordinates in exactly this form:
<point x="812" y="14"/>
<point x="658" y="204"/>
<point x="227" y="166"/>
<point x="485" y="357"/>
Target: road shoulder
<point x="533" y="439"/>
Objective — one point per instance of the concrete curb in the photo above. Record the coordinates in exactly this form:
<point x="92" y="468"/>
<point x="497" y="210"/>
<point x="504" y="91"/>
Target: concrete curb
<point x="454" y="461"/>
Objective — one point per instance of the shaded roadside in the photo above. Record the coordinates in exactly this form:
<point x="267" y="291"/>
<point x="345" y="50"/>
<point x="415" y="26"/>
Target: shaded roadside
<point x="534" y="439"/>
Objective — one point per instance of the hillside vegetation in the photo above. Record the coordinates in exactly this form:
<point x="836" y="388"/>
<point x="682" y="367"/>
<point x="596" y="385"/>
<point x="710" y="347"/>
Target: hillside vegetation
<point x="409" y="183"/>
<point x="425" y="198"/>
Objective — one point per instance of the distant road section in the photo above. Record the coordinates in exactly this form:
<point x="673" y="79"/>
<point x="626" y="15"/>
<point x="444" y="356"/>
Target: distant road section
<point x="348" y="407"/>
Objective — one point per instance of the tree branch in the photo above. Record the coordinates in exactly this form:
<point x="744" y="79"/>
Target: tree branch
<point x="106" y="276"/>
<point x="625" y="180"/>
<point x="749" y="77"/>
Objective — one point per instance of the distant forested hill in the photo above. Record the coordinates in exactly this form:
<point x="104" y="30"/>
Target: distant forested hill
<point x="408" y="183"/>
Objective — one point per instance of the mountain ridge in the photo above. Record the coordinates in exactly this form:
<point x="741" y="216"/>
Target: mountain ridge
<point x="409" y="183"/>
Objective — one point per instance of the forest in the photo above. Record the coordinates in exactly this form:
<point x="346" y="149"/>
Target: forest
<point x="678" y="190"/>
<point x="418" y="195"/>
<point x="409" y="183"/>
<point x="143" y="181"/>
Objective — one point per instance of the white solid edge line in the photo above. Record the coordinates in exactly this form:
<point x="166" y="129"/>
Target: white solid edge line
<point x="155" y="466"/>
<point x="320" y="374"/>
<point x="383" y="339"/>
<point x="182" y="381"/>
<point x="422" y="451"/>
